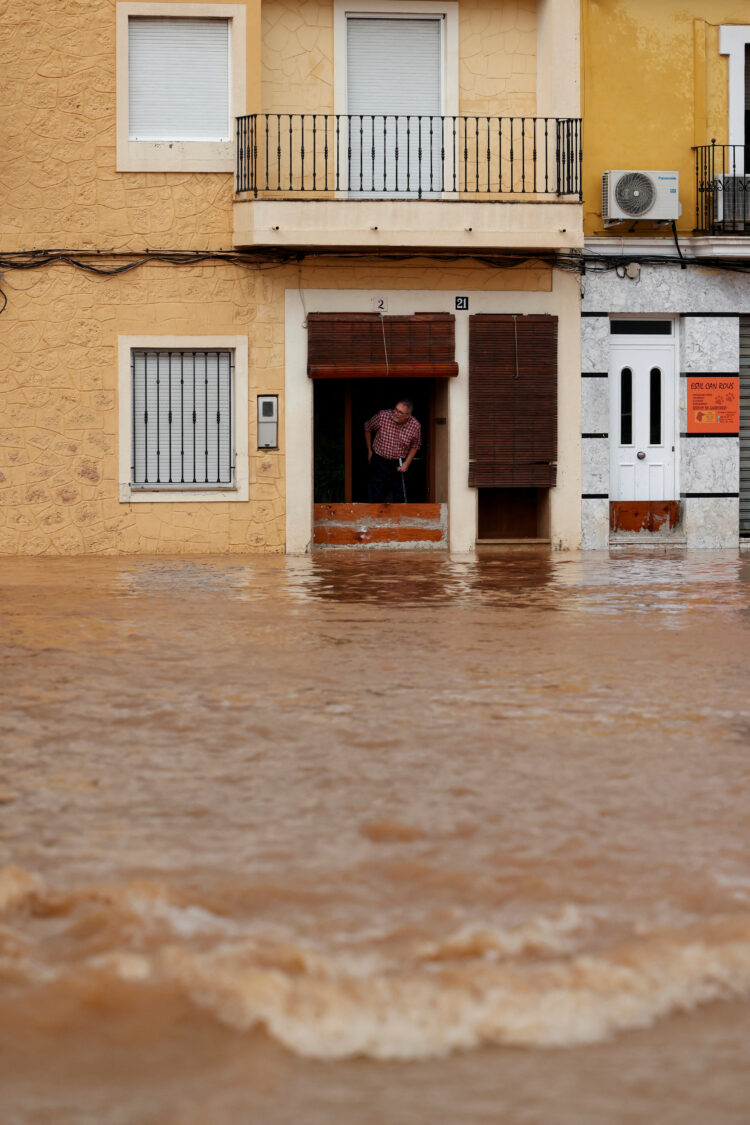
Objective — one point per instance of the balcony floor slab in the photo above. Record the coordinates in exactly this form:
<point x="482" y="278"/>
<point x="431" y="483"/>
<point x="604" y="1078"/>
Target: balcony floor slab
<point x="424" y="225"/>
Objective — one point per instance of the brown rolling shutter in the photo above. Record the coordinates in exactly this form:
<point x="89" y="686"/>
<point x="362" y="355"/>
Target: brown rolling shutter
<point x="512" y="401"/>
<point x="352" y="346"/>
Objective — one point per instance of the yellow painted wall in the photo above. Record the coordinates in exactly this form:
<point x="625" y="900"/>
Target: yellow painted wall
<point x="497" y="51"/>
<point x="58" y="335"/>
<point x="653" y="86"/>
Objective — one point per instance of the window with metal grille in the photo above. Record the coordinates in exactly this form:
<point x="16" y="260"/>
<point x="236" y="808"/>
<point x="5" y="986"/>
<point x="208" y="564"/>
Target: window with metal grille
<point x="182" y="419"/>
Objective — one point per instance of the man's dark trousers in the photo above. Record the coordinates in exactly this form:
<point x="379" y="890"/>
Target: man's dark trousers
<point x="384" y="477"/>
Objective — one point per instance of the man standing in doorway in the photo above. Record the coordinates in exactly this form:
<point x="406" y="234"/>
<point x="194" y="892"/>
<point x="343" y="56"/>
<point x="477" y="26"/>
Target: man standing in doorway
<point x="398" y="436"/>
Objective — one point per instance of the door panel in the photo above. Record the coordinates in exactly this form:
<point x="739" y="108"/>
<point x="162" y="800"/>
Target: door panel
<point x="642" y="424"/>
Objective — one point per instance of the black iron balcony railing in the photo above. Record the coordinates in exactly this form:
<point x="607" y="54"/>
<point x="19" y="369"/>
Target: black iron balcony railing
<point x="407" y="156"/>
<point x="722" y="175"/>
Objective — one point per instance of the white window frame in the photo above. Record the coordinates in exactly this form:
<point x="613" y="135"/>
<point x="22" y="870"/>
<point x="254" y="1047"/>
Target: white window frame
<point x="447" y="10"/>
<point x="240" y="418"/>
<point x="733" y="38"/>
<point x="180" y="156"/>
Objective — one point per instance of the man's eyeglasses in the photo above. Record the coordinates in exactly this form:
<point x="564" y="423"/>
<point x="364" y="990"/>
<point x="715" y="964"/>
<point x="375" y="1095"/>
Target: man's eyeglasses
<point x="403" y="413"/>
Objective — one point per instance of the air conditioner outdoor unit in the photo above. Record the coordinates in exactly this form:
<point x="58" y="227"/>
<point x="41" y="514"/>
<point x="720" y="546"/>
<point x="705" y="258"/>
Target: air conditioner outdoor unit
<point x="632" y="194"/>
<point x="732" y="201"/>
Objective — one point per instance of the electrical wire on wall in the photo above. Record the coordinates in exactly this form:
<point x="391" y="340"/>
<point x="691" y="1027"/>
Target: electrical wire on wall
<point x="115" y="263"/>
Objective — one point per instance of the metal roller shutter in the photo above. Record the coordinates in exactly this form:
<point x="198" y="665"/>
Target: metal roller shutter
<point x="394" y="75"/>
<point x="178" y="79"/>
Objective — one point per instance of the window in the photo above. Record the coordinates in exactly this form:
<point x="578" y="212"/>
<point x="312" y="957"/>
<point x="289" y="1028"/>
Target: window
<point x="183" y="418"/>
<point x="180" y="84"/>
<point x="178" y="79"/>
<point x="364" y="33"/>
<point x="394" y="72"/>
<point x="733" y="41"/>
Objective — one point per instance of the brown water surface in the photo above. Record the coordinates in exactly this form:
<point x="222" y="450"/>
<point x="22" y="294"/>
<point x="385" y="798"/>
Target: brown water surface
<point x="367" y="838"/>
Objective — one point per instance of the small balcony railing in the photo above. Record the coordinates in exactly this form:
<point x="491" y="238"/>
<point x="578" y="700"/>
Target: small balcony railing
<point x="722" y="189"/>
<point x="407" y="156"/>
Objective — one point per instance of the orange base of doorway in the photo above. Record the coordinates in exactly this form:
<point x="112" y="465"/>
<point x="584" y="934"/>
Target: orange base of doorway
<point x="385" y="526"/>
<point x="644" y="515"/>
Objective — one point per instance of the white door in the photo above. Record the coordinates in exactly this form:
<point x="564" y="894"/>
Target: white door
<point x="394" y="106"/>
<point x="642" y="422"/>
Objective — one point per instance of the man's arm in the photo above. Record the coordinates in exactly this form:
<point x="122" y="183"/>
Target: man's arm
<point x="412" y="452"/>
<point x="371" y="427"/>
<point x="408" y="460"/>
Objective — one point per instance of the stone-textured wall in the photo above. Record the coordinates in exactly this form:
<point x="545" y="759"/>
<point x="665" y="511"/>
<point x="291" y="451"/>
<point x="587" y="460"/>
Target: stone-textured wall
<point x="58" y="339"/>
<point x="58" y="182"/>
<point x="58" y="403"/>
<point x="297" y="56"/>
<point x="497" y="70"/>
<point x="497" y="51"/>
<point x="58" y="395"/>
<point x="708" y="468"/>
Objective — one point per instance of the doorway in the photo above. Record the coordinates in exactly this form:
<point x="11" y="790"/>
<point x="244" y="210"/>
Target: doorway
<point x="642" y="421"/>
<point x="340" y="409"/>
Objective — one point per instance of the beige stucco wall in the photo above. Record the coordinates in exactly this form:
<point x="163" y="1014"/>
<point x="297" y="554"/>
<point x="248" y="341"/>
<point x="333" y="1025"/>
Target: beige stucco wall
<point x="58" y="178"/>
<point x="59" y="334"/>
<point x="497" y="50"/>
<point x="58" y="393"/>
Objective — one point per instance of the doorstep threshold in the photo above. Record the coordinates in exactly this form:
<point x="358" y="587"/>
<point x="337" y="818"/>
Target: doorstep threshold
<point x="647" y="540"/>
<point x="513" y="543"/>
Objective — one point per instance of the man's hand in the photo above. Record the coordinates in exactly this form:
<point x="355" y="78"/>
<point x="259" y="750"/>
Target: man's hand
<point x="369" y="455"/>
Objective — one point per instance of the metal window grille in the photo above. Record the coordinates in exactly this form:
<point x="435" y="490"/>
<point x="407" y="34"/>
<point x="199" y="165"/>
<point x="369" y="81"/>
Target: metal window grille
<point x="182" y="419"/>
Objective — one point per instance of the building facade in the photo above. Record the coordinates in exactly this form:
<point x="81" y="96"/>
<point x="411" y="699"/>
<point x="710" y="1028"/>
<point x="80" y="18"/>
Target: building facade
<point x="232" y="231"/>
<point x="666" y="290"/>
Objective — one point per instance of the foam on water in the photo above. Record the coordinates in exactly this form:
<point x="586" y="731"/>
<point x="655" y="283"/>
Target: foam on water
<point x="532" y="985"/>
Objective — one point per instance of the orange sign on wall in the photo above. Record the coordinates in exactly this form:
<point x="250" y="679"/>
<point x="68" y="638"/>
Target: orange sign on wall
<point x="713" y="404"/>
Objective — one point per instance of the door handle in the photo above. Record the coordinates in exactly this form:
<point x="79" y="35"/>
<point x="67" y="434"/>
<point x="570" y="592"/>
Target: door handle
<point x="641" y="455"/>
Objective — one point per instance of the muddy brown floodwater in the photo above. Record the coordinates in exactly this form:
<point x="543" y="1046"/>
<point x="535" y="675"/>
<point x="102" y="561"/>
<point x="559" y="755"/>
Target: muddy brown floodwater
<point x="371" y="839"/>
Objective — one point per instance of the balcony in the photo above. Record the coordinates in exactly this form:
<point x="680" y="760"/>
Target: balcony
<point x="385" y="181"/>
<point x="723" y="189"/>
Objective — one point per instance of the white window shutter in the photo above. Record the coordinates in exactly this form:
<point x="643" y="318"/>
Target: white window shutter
<point x="178" y="79"/>
<point x="395" y="103"/>
<point x="394" y="65"/>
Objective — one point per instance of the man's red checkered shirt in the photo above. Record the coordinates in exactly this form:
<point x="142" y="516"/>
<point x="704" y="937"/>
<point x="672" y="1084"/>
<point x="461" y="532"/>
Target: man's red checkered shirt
<point x="394" y="439"/>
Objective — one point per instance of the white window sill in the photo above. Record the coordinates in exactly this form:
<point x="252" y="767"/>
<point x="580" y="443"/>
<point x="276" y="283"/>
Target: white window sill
<point x="175" y="156"/>
<point x="131" y="495"/>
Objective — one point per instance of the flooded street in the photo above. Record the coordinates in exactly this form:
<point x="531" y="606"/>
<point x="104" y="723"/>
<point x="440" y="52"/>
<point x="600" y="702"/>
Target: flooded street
<point x="374" y="838"/>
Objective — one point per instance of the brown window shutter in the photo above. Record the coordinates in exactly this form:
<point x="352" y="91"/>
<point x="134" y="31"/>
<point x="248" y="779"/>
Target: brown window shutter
<point x="512" y="401"/>
<point x="352" y="346"/>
